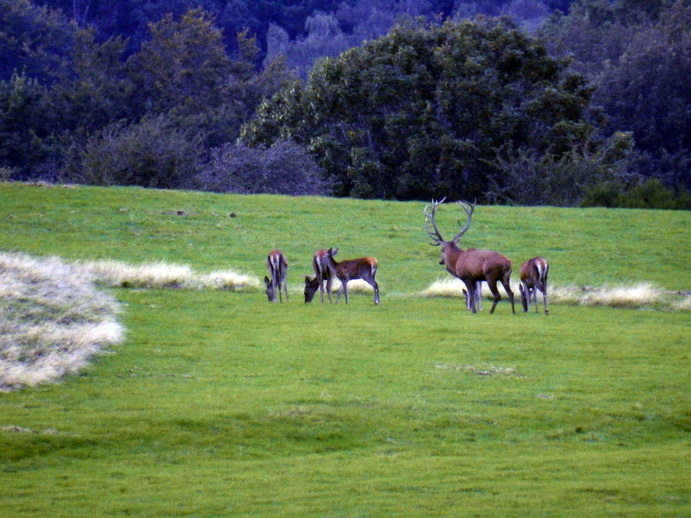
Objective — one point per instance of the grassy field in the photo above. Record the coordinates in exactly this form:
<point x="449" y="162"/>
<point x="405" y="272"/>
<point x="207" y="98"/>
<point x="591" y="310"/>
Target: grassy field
<point x="218" y="403"/>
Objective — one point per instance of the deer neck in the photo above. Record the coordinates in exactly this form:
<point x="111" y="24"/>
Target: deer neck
<point x="451" y="253"/>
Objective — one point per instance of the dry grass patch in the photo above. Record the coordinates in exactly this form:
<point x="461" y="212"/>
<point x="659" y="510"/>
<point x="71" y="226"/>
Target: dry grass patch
<point x="160" y="275"/>
<point x="52" y="320"/>
<point x="633" y="296"/>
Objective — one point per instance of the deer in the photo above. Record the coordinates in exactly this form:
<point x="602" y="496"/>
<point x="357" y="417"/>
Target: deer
<point x="471" y="265"/>
<point x="323" y="274"/>
<point x="533" y="278"/>
<point x="278" y="269"/>
<point x="364" y="268"/>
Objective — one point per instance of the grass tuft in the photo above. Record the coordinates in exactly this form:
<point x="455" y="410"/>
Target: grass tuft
<point x="634" y="296"/>
<point x="52" y="320"/>
<point x="160" y="275"/>
<point x="683" y="305"/>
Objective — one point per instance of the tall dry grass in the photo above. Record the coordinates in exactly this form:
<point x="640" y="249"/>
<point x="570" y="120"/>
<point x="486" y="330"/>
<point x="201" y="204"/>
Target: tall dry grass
<point x="159" y="275"/>
<point x="633" y="296"/>
<point x="52" y="320"/>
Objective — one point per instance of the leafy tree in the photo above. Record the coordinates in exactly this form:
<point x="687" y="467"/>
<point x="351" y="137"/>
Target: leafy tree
<point x="26" y="123"/>
<point x="96" y="91"/>
<point x="34" y="41"/>
<point x="423" y="110"/>
<point x="638" y="55"/>
<point x="183" y="67"/>
<point x="647" y="91"/>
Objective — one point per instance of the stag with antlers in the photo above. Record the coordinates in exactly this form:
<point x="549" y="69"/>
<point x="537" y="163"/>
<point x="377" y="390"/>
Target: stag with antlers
<point x="470" y="265"/>
<point x="278" y="269"/>
<point x="533" y="278"/>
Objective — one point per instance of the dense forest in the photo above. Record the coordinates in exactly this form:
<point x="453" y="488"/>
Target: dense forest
<point x="560" y="102"/>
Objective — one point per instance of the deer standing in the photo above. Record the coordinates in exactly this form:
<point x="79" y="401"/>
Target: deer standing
<point x="471" y="265"/>
<point x="364" y="268"/>
<point x="533" y="278"/>
<point x="322" y="274"/>
<point x="278" y="269"/>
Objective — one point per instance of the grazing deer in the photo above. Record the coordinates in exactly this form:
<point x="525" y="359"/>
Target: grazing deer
<point x="364" y="268"/>
<point x="278" y="269"/>
<point x="534" y="277"/>
<point x="471" y="265"/>
<point x="322" y="274"/>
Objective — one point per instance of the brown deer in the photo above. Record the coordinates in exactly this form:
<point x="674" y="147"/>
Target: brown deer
<point x="533" y="278"/>
<point x="323" y="274"/>
<point x="364" y="268"/>
<point x="471" y="265"/>
<point x="278" y="269"/>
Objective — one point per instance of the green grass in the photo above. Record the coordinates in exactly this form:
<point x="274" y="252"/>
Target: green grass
<point x="219" y="403"/>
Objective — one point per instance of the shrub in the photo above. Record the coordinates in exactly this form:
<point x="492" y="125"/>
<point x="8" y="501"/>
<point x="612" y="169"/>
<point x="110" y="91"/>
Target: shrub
<point x="151" y="153"/>
<point x="526" y="177"/>
<point x="651" y="194"/>
<point x="284" y="168"/>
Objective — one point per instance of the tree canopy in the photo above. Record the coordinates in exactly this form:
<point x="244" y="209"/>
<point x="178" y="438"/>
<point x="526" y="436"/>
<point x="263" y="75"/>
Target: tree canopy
<point x="423" y="110"/>
<point x="415" y="98"/>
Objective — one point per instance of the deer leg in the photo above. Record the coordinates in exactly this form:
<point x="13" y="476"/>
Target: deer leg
<point x="329" y="285"/>
<point x="470" y="301"/>
<point x="507" y="287"/>
<point x="478" y="295"/>
<point x="284" y="283"/>
<point x="525" y="296"/>
<point x="321" y="287"/>
<point x="495" y="293"/>
<point x="375" y="286"/>
<point x="344" y="290"/>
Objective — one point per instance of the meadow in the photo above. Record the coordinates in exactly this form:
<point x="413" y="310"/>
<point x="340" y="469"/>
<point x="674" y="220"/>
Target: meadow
<point x="218" y="403"/>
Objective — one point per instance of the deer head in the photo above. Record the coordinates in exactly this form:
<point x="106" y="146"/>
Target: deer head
<point x="270" y="289"/>
<point x="435" y="234"/>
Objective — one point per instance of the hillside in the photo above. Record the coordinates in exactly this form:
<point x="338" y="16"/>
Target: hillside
<point x="585" y="246"/>
<point x="216" y="402"/>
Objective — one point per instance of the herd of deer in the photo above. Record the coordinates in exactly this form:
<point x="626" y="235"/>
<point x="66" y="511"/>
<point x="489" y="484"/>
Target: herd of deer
<point x="472" y="266"/>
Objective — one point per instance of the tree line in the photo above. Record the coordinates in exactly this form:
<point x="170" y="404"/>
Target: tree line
<point x="591" y="107"/>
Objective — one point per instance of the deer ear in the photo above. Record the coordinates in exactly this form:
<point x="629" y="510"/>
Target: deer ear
<point x="333" y="251"/>
<point x="266" y="280"/>
<point x="307" y="279"/>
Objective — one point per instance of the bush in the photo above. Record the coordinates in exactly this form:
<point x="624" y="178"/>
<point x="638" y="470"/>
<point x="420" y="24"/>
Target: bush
<point x="284" y="168"/>
<point x="526" y="177"/>
<point x="151" y="153"/>
<point x="651" y="194"/>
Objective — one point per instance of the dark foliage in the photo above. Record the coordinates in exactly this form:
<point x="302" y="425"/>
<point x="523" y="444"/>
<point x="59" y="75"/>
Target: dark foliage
<point x="284" y="168"/>
<point x="151" y="153"/>
<point x="638" y="55"/>
<point x="423" y="110"/>
<point x="406" y="115"/>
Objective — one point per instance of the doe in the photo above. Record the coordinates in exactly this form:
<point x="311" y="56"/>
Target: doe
<point x="533" y="278"/>
<point x="278" y="269"/>
<point x="364" y="268"/>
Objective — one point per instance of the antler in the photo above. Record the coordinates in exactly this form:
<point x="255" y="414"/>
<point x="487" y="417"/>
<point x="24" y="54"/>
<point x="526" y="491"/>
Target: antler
<point x="434" y="234"/>
<point x="469" y="214"/>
